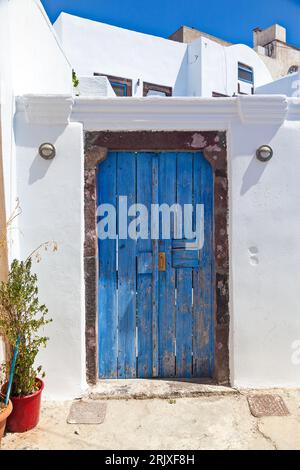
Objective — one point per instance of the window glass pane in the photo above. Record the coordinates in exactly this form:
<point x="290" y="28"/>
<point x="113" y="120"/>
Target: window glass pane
<point x="119" y="89"/>
<point x="245" y="73"/>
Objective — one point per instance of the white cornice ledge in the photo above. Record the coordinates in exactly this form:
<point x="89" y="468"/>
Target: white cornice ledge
<point x="153" y="113"/>
<point x="294" y="109"/>
<point x="268" y="109"/>
<point x="46" y="109"/>
<point x="178" y="112"/>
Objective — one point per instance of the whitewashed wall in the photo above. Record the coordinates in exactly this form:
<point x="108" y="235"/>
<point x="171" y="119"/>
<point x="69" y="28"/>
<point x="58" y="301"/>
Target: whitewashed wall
<point x="7" y="105"/>
<point x="94" y="47"/>
<point x="214" y="68"/>
<point x="51" y="196"/>
<point x="32" y="61"/>
<point x="265" y="256"/>
<point x="38" y="61"/>
<point x="289" y="86"/>
<point x="94" y="87"/>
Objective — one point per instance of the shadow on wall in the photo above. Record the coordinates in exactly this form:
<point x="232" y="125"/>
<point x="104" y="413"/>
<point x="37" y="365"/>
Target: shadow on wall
<point x="181" y="83"/>
<point x="256" y="168"/>
<point x="29" y="136"/>
<point x="38" y="169"/>
<point x="252" y="175"/>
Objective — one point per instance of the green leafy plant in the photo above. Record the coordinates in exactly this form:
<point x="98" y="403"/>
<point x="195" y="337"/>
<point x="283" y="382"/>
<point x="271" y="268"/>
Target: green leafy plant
<point x="75" y="79"/>
<point x="22" y="314"/>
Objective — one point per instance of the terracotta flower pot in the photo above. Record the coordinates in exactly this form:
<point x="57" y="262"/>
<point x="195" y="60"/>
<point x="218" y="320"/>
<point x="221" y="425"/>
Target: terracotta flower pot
<point x="26" y="410"/>
<point x="4" y="414"/>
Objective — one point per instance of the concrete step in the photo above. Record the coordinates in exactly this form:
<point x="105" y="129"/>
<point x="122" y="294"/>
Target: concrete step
<point x="143" y="389"/>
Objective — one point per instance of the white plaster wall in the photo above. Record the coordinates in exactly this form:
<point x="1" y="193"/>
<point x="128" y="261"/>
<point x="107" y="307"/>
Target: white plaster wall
<point x="94" y="47"/>
<point x="289" y="86"/>
<point x="38" y="61"/>
<point x="7" y="104"/>
<point x="265" y="255"/>
<point x="51" y="196"/>
<point x="31" y="61"/>
<point x="94" y="87"/>
<point x="195" y="83"/>
<point x="214" y="68"/>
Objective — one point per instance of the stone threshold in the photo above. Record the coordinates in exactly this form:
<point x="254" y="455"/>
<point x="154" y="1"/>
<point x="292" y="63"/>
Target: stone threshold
<point x="145" y="389"/>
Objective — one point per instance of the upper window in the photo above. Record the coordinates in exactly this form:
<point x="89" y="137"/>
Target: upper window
<point x="121" y="86"/>
<point x="150" y="89"/>
<point x="245" y="73"/>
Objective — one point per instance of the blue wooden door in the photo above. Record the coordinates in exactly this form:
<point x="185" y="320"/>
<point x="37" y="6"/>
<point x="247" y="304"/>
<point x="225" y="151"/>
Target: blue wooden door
<point x="156" y="291"/>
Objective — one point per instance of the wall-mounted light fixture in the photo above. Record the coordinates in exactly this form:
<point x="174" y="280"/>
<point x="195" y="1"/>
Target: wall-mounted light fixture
<point x="264" y="153"/>
<point x="47" y="151"/>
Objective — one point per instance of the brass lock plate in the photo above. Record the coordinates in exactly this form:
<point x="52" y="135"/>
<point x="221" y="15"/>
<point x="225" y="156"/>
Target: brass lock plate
<point x="162" y="263"/>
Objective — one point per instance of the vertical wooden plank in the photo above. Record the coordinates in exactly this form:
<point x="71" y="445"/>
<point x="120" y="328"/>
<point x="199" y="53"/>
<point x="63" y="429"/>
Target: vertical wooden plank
<point x="107" y="288"/>
<point x="155" y="279"/>
<point x="126" y="186"/>
<point x="167" y="312"/>
<point x="184" y="325"/>
<point x="144" y="280"/>
<point x="203" y="322"/>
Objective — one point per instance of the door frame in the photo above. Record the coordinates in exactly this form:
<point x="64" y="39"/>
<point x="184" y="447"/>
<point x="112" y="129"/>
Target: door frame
<point x="213" y="145"/>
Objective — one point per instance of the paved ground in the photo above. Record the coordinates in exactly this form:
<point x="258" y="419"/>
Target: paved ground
<point x="207" y="421"/>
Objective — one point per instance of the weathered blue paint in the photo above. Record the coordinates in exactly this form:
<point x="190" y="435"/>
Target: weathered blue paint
<point x="185" y="259"/>
<point x="155" y="278"/>
<point x="184" y="325"/>
<point x="126" y="186"/>
<point x="167" y="314"/>
<point x="171" y="312"/>
<point x="145" y="269"/>
<point x="107" y="290"/>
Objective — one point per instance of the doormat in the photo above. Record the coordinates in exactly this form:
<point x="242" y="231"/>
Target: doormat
<point x="87" y="412"/>
<point x="267" y="405"/>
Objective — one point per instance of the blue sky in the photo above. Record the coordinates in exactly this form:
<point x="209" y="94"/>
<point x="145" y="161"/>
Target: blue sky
<point x="232" y="20"/>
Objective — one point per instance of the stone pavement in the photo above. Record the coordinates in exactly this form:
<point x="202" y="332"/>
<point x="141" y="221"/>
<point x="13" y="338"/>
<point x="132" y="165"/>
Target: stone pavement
<point x="206" y="420"/>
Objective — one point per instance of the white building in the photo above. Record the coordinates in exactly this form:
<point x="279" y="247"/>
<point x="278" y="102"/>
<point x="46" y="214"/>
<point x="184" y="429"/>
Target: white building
<point x="255" y="220"/>
<point x="288" y="85"/>
<point x="143" y="63"/>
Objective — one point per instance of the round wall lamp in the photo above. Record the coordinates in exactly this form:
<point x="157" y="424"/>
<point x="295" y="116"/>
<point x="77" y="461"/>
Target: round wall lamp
<point x="47" y="151"/>
<point x="264" y="153"/>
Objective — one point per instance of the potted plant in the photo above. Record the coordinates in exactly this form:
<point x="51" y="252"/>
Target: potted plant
<point x="5" y="411"/>
<point x="22" y="316"/>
